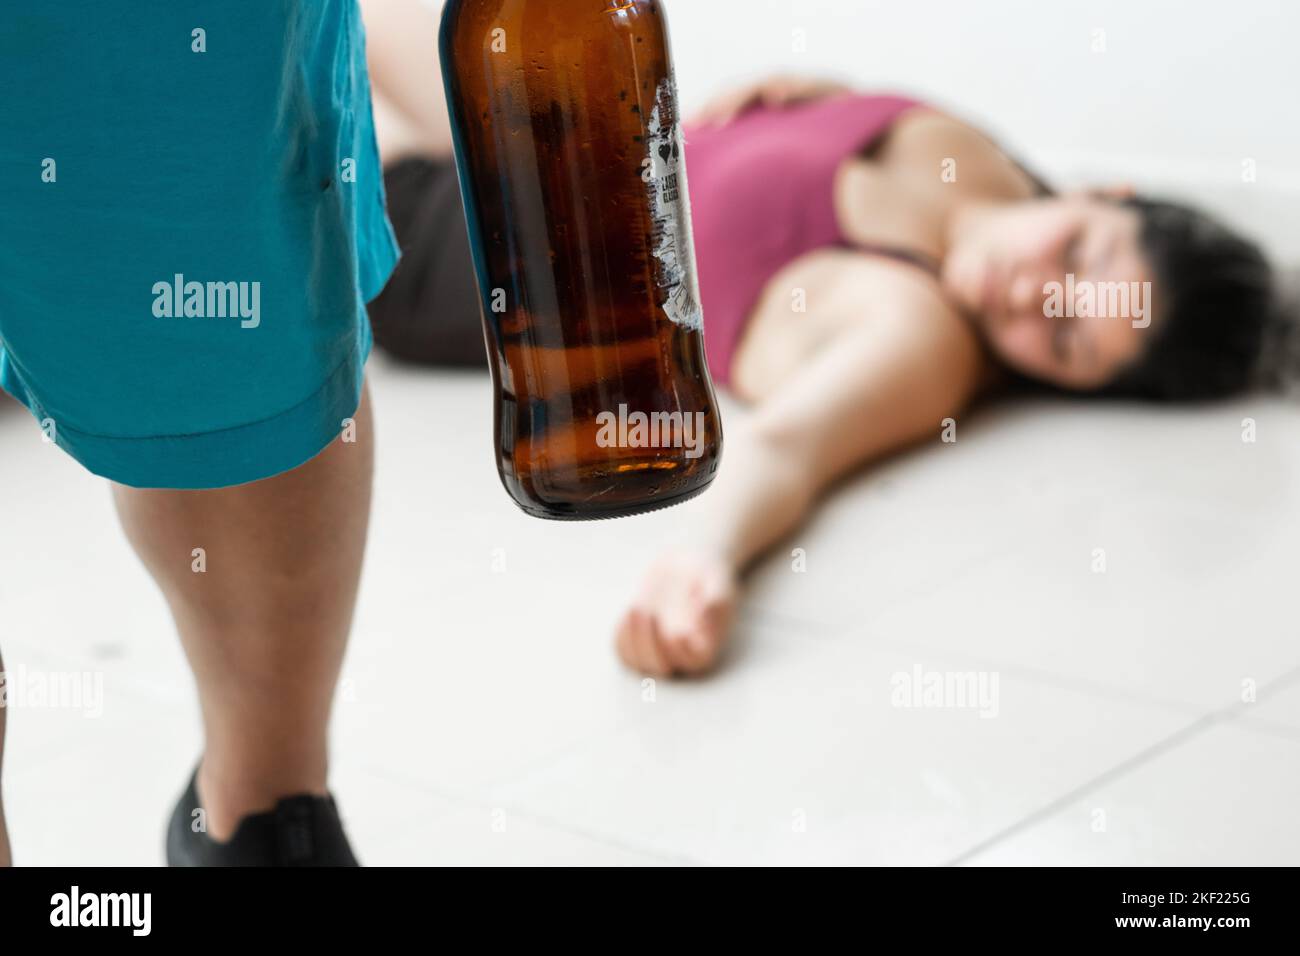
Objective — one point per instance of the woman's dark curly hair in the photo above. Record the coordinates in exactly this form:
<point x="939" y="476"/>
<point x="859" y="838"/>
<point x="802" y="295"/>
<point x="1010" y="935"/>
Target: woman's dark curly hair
<point x="1216" y="308"/>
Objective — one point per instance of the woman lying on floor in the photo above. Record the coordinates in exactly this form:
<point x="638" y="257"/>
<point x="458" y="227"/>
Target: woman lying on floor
<point x="905" y="269"/>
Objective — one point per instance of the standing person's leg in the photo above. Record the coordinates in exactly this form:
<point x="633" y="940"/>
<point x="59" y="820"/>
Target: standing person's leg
<point x="266" y="623"/>
<point x="202" y="330"/>
<point x="5" y="858"/>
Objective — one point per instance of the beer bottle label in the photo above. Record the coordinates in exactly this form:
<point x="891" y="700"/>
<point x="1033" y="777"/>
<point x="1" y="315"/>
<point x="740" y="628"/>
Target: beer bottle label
<point x="670" y="206"/>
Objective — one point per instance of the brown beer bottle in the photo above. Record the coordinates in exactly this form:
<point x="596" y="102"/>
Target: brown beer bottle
<point x="569" y="147"/>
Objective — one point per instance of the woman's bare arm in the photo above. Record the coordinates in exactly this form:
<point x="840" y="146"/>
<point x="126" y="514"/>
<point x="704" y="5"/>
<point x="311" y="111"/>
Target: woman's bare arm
<point x="875" y="390"/>
<point x="772" y="91"/>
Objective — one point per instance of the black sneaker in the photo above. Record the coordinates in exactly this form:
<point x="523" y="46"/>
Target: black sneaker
<point x="300" y="831"/>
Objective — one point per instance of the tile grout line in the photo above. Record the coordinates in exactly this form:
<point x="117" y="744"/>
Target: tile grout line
<point x="605" y="840"/>
<point x="1224" y="715"/>
<point x="464" y="802"/>
<point x="1119" y="770"/>
<point x="930" y="586"/>
<point x="833" y="632"/>
<point x="1269" y="728"/>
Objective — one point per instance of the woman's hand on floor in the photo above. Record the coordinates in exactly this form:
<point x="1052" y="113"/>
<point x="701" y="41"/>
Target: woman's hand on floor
<point x="680" y="622"/>
<point x="774" y="92"/>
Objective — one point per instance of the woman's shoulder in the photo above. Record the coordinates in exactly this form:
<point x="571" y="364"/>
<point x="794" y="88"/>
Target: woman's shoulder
<point x="927" y="130"/>
<point x="842" y="296"/>
<point x="833" y="290"/>
<point x="964" y="159"/>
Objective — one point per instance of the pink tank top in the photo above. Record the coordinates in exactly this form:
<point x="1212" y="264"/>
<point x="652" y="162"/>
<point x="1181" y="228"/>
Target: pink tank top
<point x="763" y="194"/>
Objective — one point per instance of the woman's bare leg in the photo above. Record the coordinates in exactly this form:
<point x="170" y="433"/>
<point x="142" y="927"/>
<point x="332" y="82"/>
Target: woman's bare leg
<point x="266" y="623"/>
<point x="402" y="52"/>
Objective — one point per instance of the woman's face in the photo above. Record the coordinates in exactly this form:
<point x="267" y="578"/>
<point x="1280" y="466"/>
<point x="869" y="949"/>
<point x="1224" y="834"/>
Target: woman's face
<point x="1059" y="287"/>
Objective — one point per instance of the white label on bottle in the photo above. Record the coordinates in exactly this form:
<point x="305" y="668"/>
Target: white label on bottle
<point x="670" y="207"/>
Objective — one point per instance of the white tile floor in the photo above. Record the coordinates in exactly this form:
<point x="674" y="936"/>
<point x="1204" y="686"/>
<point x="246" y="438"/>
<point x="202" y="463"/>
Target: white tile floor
<point x="484" y="719"/>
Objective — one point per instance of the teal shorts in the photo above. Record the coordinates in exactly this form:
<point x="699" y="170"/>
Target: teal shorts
<point x="191" y="222"/>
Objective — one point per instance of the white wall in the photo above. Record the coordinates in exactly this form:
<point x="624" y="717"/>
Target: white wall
<point x="1183" y="94"/>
